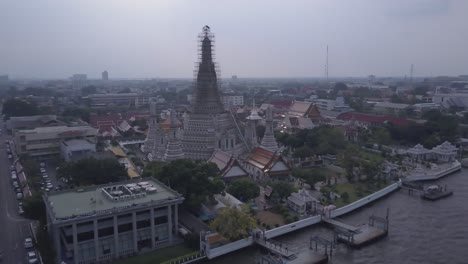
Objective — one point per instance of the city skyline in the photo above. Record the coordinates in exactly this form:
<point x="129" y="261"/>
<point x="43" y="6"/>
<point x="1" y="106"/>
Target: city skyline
<point x="51" y="39"/>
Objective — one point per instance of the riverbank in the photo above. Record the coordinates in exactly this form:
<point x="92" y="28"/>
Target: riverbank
<point x="434" y="174"/>
<point x="313" y="220"/>
<point x="419" y="231"/>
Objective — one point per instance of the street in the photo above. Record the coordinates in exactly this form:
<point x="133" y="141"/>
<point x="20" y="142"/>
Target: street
<point x="13" y="228"/>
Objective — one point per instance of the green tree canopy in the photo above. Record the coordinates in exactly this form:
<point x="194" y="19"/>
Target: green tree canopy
<point x="303" y="152"/>
<point x="196" y="181"/>
<point x="80" y="112"/>
<point x="18" y="107"/>
<point x="34" y="207"/>
<point x="233" y="224"/>
<point x="310" y="176"/>
<point x="244" y="189"/>
<point x="87" y="90"/>
<point x="283" y="189"/>
<point x="91" y="171"/>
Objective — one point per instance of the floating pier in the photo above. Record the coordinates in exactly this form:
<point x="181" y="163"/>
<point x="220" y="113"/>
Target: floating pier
<point x="358" y="236"/>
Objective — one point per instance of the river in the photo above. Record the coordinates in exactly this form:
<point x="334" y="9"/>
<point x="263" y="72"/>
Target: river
<point x="419" y="232"/>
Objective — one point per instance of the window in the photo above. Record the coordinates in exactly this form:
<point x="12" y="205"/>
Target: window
<point x="125" y="227"/>
<point x="143" y="223"/>
<point x="106" y="231"/>
<point x="85" y="236"/>
<point x="160" y="220"/>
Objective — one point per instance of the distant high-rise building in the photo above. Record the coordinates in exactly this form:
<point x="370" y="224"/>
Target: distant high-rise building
<point x="105" y="76"/>
<point x="4" y="78"/>
<point x="79" y="77"/>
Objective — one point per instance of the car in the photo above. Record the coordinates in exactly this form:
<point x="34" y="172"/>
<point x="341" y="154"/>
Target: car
<point x="42" y="164"/>
<point x="14" y="177"/>
<point x="12" y="168"/>
<point x="47" y="189"/>
<point x="32" y="257"/>
<point x="43" y="170"/>
<point x="45" y="176"/>
<point x="19" y="196"/>
<point x="15" y="184"/>
<point x="28" y="243"/>
<point x="50" y="185"/>
<point x="20" y="210"/>
<point x="10" y="156"/>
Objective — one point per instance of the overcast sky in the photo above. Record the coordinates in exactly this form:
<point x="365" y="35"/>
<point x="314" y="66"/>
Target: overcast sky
<point x="254" y="38"/>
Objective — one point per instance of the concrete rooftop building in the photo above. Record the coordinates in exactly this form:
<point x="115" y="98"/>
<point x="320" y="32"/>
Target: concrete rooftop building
<point x="101" y="223"/>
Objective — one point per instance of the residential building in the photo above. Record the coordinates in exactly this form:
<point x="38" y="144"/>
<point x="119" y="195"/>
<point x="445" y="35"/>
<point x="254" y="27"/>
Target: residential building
<point x="390" y="108"/>
<point x="45" y="142"/>
<point x="75" y="149"/>
<point x="373" y="120"/>
<point x="101" y="100"/>
<point x="30" y="122"/>
<point x="103" y="223"/>
<point x="451" y="100"/>
<point x="336" y="105"/>
<point x="230" y="100"/>
<point x="301" y="201"/>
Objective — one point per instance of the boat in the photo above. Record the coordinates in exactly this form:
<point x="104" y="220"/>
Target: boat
<point x="435" y="192"/>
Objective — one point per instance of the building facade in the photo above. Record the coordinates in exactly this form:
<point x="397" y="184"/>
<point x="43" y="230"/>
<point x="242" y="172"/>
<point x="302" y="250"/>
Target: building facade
<point x="135" y="99"/>
<point x="103" y="223"/>
<point x="45" y="142"/>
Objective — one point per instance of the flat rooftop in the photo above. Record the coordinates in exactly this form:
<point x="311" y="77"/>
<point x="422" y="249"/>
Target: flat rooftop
<point x="102" y="199"/>
<point x="55" y="129"/>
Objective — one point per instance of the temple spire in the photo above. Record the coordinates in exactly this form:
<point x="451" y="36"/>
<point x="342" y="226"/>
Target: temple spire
<point x="206" y="96"/>
<point x="268" y="140"/>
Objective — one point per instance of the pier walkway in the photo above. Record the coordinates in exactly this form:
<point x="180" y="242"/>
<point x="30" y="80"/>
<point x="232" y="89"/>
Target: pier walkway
<point x="341" y="225"/>
<point x="277" y="248"/>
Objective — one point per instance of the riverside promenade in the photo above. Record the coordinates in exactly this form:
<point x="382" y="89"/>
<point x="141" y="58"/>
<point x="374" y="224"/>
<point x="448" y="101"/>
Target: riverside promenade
<point x="313" y="220"/>
<point x="433" y="174"/>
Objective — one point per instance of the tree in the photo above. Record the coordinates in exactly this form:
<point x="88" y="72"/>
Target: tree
<point x="93" y="171"/>
<point x="18" y="107"/>
<point x="310" y="176"/>
<point x="233" y="224"/>
<point x="382" y="136"/>
<point x="345" y="197"/>
<point x="80" y="112"/>
<point x="244" y="189"/>
<point x="303" y="152"/>
<point x="196" y="181"/>
<point x="283" y="189"/>
<point x="34" y="207"/>
<point x="87" y="90"/>
<point x="125" y="90"/>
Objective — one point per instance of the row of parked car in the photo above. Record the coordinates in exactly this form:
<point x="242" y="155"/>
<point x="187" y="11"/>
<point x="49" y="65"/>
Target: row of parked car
<point x="15" y="181"/>
<point x="31" y="255"/>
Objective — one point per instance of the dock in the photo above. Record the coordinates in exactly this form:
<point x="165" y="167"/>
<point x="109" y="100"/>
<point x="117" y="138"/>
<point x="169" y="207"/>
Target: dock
<point x="358" y="236"/>
<point x="278" y="249"/>
<point x="341" y="225"/>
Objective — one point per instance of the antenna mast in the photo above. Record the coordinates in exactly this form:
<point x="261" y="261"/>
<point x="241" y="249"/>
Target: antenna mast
<point x="411" y="73"/>
<point x="326" y="66"/>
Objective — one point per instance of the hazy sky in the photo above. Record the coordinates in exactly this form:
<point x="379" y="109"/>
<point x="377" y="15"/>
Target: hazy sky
<point x="254" y="38"/>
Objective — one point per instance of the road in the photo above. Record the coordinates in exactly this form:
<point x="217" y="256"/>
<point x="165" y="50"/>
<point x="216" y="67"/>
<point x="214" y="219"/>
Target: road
<point x="13" y="228"/>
